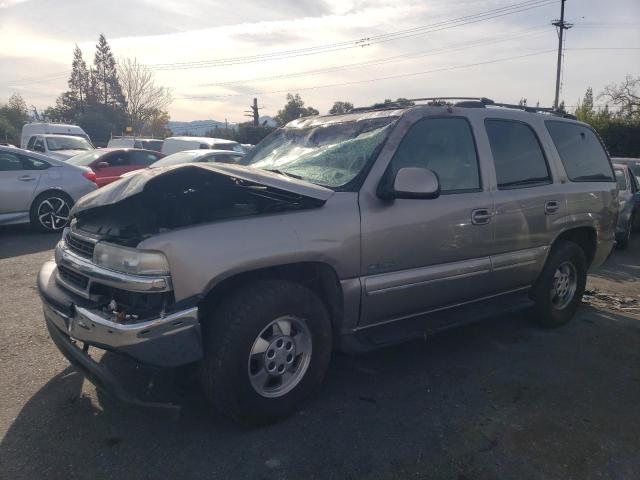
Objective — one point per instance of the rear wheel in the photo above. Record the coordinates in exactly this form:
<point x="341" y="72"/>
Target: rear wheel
<point x="622" y="242"/>
<point x="558" y="292"/>
<point x="50" y="211"/>
<point x="267" y="348"/>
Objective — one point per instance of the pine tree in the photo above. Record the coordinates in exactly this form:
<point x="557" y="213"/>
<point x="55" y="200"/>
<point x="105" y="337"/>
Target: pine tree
<point x="107" y="85"/>
<point x="79" y="79"/>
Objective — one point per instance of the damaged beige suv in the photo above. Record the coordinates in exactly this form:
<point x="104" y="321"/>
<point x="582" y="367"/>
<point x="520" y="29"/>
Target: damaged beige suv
<point x="341" y="232"/>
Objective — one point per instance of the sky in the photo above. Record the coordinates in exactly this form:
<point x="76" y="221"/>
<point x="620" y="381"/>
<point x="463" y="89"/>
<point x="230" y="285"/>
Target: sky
<point x="270" y="48"/>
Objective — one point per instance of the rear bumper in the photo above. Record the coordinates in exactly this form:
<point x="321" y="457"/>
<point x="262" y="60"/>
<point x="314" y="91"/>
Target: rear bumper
<point x="168" y="341"/>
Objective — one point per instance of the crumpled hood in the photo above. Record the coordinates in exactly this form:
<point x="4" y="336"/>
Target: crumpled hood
<point x="64" y="154"/>
<point x="134" y="184"/>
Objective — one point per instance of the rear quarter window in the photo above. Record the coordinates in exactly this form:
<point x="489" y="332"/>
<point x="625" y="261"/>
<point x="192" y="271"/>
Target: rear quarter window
<point x="581" y="152"/>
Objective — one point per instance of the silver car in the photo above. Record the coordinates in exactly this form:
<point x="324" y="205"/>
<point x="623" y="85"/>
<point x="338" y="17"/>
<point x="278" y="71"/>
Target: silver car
<point x="199" y="156"/>
<point x="344" y="232"/>
<point x="38" y="189"/>
<point x="629" y="198"/>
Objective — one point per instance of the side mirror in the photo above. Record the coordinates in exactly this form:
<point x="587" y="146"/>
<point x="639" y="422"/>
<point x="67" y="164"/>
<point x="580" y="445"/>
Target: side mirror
<point x="101" y="165"/>
<point x="411" y="182"/>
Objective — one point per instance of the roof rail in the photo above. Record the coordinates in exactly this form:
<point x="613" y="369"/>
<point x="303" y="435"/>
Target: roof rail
<point x="466" y="102"/>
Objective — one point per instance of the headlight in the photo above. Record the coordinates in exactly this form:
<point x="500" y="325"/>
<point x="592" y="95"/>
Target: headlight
<point x="130" y="260"/>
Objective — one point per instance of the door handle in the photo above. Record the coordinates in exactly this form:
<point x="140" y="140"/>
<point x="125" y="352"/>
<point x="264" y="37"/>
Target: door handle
<point x="481" y="216"/>
<point x="26" y="178"/>
<point x="551" y="207"/>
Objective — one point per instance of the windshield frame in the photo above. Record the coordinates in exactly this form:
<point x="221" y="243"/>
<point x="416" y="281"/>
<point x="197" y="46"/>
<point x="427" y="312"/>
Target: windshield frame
<point x="354" y="184"/>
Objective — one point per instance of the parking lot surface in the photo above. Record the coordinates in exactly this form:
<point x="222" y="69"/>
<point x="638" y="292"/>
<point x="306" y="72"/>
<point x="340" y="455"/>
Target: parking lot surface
<point x="499" y="399"/>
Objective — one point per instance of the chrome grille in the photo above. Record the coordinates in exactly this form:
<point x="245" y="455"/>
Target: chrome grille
<point x="80" y="246"/>
<point x="74" y="278"/>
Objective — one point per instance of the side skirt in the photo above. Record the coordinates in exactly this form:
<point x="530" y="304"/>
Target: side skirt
<point x="398" y="331"/>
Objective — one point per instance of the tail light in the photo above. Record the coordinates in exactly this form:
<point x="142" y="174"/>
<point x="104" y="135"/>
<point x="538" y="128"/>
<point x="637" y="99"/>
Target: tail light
<point x="89" y="175"/>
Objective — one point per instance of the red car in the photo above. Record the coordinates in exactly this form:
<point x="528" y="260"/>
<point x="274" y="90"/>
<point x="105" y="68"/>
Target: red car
<point x="109" y="164"/>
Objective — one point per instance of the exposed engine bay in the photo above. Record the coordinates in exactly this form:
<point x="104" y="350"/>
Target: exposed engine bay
<point x="180" y="197"/>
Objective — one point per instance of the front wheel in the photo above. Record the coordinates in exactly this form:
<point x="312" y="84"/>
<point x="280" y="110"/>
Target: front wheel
<point x="267" y="348"/>
<point x="50" y="211"/>
<point x="558" y="292"/>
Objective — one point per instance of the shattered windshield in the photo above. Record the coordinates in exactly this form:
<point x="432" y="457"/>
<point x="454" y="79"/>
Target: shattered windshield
<point x="330" y="155"/>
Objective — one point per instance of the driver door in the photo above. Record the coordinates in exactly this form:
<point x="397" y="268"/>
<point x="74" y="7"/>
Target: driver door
<point x="420" y="255"/>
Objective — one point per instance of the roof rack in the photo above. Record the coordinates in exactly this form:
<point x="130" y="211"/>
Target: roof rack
<point x="467" y="102"/>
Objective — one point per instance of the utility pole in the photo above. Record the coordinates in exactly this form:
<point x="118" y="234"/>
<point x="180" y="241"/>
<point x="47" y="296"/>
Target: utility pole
<point x="254" y="112"/>
<point x="561" y="25"/>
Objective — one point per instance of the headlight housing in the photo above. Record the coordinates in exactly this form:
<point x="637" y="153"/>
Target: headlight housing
<point x="130" y="260"/>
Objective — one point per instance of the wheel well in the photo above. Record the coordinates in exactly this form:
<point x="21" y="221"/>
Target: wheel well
<point x="585" y="237"/>
<point x="319" y="277"/>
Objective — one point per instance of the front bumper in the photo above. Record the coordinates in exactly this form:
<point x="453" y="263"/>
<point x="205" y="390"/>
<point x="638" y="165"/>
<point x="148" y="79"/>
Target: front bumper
<point x="167" y="341"/>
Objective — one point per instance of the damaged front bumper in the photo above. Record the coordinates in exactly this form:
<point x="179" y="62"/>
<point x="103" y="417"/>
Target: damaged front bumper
<point x="170" y="340"/>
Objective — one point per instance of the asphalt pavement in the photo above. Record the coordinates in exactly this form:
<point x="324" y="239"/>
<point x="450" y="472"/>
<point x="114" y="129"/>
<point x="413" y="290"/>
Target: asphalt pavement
<point x="500" y="399"/>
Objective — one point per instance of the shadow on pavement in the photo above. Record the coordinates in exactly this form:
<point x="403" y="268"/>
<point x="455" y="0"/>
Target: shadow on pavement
<point x="498" y="399"/>
<point x="17" y="240"/>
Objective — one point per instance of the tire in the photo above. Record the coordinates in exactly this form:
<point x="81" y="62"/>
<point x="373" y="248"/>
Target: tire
<point x="622" y="242"/>
<point x="566" y="264"/>
<point x="58" y="204"/>
<point x="234" y="330"/>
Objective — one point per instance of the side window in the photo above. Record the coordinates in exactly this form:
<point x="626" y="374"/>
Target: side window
<point x="32" y="140"/>
<point x="224" y="158"/>
<point x="30" y="163"/>
<point x="581" y="152"/>
<point x="620" y="179"/>
<point x="38" y="144"/>
<point x="517" y="154"/>
<point x="204" y="146"/>
<point x="117" y="159"/>
<point x="10" y="162"/>
<point x="144" y="158"/>
<point x="444" y="145"/>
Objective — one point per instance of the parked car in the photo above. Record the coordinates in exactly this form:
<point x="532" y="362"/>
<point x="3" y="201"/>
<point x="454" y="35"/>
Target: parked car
<point x="60" y="147"/>
<point x="35" y="128"/>
<point x="632" y="163"/>
<point x="344" y="232"/>
<point x="629" y="197"/>
<point x="39" y="189"/>
<point x="109" y="164"/>
<point x="179" y="144"/>
<point x="135" y="142"/>
<point x="199" y="156"/>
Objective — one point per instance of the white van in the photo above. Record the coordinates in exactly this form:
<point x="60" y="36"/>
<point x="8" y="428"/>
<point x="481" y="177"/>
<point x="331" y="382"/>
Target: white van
<point x="60" y="147"/>
<point x="179" y="144"/>
<point x="38" y="128"/>
<point x="135" y="142"/>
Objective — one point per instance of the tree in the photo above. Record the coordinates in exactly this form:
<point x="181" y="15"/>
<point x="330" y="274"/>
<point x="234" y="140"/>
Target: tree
<point x="341" y="107"/>
<point x="144" y="99"/>
<point x="157" y="125"/>
<point x="294" y="108"/>
<point x="584" y="112"/>
<point x="626" y="95"/>
<point x="13" y="115"/>
<point x="105" y="76"/>
<point x="79" y="80"/>
<point x="399" y="102"/>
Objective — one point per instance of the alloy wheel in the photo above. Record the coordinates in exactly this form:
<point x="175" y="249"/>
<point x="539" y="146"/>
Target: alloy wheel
<point x="53" y="213"/>
<point x="280" y="356"/>
<point x="565" y="284"/>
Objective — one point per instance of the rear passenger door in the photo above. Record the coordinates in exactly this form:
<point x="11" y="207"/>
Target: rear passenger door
<point x="529" y="206"/>
<point x="19" y="178"/>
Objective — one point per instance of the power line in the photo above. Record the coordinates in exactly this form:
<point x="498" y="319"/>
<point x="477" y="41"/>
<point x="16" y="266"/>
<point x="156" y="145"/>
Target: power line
<point x="404" y="75"/>
<point x="358" y="43"/>
<point x="534" y="31"/>
<point x="368" y="80"/>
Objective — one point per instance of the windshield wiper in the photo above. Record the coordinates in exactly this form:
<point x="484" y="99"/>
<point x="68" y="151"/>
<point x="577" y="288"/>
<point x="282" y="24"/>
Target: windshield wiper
<point x="281" y="172"/>
<point x="527" y="181"/>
